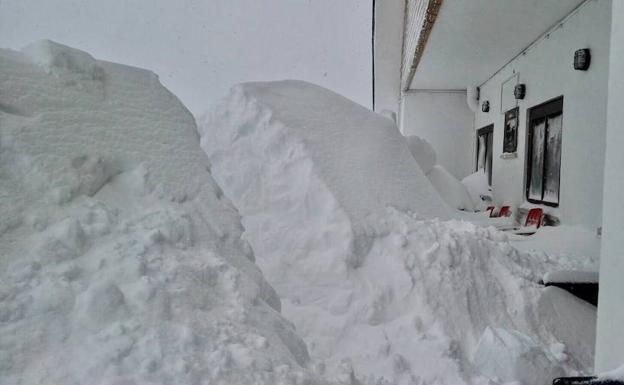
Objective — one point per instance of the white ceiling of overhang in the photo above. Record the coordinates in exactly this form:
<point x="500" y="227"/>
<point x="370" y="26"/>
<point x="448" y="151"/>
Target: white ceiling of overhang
<point x="471" y="39"/>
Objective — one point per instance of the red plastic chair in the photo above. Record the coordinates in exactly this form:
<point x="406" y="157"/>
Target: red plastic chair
<point x="534" y="217"/>
<point x="504" y="211"/>
<point x="491" y="210"/>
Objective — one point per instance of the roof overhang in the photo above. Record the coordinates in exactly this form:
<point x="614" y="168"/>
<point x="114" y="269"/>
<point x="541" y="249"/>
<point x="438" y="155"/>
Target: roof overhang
<point x="470" y="40"/>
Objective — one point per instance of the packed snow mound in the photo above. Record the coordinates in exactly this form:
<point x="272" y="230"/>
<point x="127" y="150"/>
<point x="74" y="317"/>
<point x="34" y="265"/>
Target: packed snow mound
<point x="423" y="152"/>
<point x="313" y="126"/>
<point x="328" y="162"/>
<point x="451" y="190"/>
<point x="121" y="261"/>
<point x="379" y="288"/>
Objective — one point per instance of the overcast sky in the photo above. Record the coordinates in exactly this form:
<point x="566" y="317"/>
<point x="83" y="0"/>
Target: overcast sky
<point x="200" y="48"/>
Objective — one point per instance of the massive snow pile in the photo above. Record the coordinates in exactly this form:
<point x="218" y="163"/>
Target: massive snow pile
<point x="347" y="228"/>
<point x="120" y="259"/>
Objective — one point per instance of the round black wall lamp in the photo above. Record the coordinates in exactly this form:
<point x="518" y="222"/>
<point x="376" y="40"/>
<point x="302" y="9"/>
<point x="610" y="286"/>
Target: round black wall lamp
<point x="519" y="91"/>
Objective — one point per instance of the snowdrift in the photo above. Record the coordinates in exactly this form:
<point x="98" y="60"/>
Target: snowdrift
<point x="451" y="190"/>
<point x="350" y="232"/>
<point x="120" y="258"/>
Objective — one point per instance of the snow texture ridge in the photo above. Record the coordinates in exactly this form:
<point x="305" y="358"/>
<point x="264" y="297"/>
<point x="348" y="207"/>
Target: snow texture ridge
<point x="354" y="238"/>
<point x="121" y="261"/>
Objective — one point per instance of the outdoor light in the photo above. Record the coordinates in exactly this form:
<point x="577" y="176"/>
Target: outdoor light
<point x="582" y="58"/>
<point x="485" y="107"/>
<point x="519" y="91"/>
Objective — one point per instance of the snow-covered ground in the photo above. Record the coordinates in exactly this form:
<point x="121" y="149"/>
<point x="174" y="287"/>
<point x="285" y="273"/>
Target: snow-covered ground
<point x="121" y="260"/>
<point x="359" y="245"/>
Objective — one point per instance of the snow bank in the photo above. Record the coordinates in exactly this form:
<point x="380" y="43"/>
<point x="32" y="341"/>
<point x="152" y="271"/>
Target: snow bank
<point x="120" y="258"/>
<point x="343" y="223"/>
<point x="451" y="190"/>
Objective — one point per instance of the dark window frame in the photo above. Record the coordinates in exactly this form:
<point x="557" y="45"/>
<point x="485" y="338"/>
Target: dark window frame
<point x="543" y="111"/>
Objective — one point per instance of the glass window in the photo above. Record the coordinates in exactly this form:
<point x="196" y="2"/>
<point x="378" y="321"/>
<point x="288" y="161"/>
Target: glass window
<point x="537" y="161"/>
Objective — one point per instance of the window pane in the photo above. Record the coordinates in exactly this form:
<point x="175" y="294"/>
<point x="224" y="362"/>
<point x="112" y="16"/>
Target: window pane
<point x="537" y="160"/>
<point x="481" y="156"/>
<point x="488" y="155"/>
<point x="553" y="159"/>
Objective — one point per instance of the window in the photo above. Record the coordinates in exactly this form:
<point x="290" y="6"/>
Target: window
<point x="544" y="152"/>
<point x="484" y="151"/>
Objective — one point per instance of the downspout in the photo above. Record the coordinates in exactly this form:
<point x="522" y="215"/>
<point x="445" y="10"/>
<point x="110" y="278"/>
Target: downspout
<point x="472" y="98"/>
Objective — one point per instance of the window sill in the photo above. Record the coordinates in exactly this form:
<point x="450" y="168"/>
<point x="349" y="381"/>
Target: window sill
<point x="509" y="155"/>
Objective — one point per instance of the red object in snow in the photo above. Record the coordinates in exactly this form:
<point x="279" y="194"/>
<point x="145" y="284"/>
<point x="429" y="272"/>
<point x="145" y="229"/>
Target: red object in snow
<point x="534" y="217"/>
<point x="504" y="211"/>
<point x="491" y="210"/>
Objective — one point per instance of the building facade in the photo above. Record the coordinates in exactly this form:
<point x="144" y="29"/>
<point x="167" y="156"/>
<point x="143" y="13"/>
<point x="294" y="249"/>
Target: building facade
<point x="529" y="92"/>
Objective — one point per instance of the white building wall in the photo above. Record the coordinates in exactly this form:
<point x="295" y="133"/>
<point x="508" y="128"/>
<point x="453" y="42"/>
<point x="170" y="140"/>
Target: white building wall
<point x="547" y="70"/>
<point x="444" y="120"/>
<point x="610" y="336"/>
<point x="389" y="16"/>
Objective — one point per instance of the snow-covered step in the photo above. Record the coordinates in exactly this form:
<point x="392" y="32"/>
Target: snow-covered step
<point x="582" y="284"/>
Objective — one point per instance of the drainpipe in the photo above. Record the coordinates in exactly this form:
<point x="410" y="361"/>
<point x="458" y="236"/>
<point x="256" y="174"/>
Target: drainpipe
<point x="472" y="98"/>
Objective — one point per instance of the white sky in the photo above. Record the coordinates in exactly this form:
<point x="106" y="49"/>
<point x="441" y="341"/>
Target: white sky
<point x="200" y="48"/>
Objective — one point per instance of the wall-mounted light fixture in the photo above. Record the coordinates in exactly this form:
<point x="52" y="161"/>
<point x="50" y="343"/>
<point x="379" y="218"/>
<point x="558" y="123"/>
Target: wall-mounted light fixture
<point x="582" y="58"/>
<point x="485" y="106"/>
<point x="519" y="91"/>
